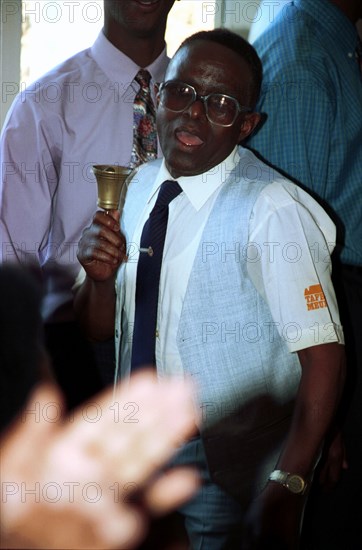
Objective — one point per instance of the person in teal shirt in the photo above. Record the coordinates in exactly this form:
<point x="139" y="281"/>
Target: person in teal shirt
<point x="312" y="101"/>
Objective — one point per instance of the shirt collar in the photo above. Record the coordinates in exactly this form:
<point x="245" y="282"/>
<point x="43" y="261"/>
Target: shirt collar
<point x="199" y="189"/>
<point x="120" y="68"/>
<point x="333" y="21"/>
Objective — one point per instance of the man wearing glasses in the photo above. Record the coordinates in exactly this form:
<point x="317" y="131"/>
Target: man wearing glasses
<point x="242" y="305"/>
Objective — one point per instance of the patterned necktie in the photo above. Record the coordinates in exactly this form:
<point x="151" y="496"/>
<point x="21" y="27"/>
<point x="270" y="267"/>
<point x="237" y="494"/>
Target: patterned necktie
<point x="148" y="277"/>
<point x="144" y="122"/>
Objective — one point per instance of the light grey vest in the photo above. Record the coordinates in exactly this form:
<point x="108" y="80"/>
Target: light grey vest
<point x="246" y="378"/>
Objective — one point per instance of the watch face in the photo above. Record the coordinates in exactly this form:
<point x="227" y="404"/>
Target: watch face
<point x="295" y="484"/>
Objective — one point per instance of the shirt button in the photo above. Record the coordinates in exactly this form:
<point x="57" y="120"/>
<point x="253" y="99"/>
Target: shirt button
<point x="157" y="334"/>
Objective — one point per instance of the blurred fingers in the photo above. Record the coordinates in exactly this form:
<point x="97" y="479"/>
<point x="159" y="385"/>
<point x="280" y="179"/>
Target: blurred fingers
<point x="171" y="490"/>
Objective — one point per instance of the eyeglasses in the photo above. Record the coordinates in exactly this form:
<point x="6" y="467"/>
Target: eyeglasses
<point x="220" y="109"/>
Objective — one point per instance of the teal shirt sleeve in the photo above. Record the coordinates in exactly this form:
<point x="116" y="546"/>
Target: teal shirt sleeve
<point x="312" y="97"/>
<point x="296" y="136"/>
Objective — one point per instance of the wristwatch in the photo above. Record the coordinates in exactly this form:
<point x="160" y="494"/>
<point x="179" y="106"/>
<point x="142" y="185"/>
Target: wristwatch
<point x="293" y="482"/>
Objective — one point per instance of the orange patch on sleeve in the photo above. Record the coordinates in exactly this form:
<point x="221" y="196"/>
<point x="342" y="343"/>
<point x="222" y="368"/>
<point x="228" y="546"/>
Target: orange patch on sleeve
<point x="314" y="297"/>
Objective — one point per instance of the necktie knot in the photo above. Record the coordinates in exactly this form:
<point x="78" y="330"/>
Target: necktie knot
<point x="143" y="78"/>
<point x="169" y="190"/>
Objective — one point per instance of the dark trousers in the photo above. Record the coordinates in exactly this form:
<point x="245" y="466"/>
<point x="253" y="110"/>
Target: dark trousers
<point x="104" y="354"/>
<point x="73" y="362"/>
<point x="333" y="520"/>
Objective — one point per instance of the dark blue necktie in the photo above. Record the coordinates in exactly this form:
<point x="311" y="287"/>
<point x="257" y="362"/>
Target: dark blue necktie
<point x="148" y="277"/>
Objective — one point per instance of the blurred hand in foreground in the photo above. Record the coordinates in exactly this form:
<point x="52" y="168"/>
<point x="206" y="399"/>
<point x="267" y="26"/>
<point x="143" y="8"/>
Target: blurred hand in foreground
<point x="91" y="480"/>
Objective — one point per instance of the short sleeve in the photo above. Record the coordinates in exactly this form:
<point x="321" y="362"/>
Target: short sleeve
<point x="292" y="238"/>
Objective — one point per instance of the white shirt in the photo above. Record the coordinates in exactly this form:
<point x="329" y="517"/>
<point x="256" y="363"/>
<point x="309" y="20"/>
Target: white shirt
<point x="281" y="230"/>
<point x="77" y="115"/>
